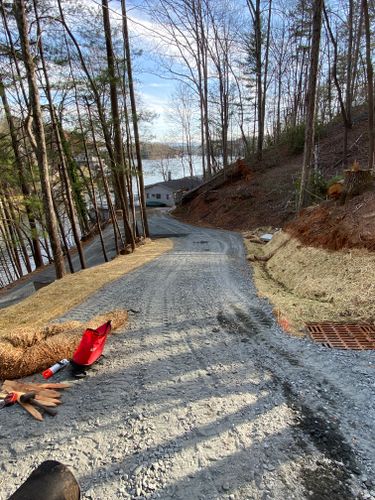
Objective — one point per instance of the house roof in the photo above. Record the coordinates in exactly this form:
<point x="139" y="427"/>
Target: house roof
<point x="185" y="183"/>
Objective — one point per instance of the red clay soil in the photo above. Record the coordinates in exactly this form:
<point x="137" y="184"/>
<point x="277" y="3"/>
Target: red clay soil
<point x="334" y="226"/>
<point x="267" y="197"/>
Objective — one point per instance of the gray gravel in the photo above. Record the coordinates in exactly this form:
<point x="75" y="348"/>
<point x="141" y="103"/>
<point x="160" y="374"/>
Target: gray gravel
<point x="203" y="397"/>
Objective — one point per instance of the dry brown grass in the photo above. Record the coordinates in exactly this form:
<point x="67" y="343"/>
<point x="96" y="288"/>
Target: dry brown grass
<point x="29" y="343"/>
<point x="58" y="297"/>
<point x="312" y="284"/>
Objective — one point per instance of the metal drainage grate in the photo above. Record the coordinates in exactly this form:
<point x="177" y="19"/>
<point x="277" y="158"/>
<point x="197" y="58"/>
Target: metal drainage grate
<point x="359" y="336"/>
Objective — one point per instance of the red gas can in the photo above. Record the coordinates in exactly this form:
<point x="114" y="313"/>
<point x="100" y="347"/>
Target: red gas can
<point x="91" y="346"/>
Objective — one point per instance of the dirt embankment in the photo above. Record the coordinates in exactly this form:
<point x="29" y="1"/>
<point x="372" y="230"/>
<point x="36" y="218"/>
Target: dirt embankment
<point x="322" y="265"/>
<point x="334" y="226"/>
<point x="245" y="203"/>
<point x="268" y="195"/>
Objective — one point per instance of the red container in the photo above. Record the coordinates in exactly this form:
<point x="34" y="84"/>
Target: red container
<point x="91" y="346"/>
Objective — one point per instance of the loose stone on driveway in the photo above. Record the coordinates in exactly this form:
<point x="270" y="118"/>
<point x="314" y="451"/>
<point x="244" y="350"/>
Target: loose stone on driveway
<point x="203" y="397"/>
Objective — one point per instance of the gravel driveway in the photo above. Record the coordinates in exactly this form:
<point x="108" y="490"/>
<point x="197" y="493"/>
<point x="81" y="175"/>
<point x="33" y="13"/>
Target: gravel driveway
<point x="203" y="397"/>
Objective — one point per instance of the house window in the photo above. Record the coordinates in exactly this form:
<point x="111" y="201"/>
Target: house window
<point x="167" y="196"/>
<point x="158" y="196"/>
<point x="153" y="195"/>
<point x="148" y="195"/>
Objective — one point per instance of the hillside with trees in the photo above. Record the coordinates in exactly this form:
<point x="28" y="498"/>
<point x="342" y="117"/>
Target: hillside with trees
<point x="61" y="92"/>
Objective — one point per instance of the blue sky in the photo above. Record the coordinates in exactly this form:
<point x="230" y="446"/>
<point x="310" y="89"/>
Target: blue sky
<point x="154" y="92"/>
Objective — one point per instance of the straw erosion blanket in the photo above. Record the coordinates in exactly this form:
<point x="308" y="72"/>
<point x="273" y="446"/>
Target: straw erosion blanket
<point x="29" y="342"/>
<point x="27" y="351"/>
<point x="306" y="283"/>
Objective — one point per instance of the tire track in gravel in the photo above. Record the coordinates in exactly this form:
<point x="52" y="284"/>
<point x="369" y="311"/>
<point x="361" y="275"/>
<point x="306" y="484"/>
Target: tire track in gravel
<point x="196" y="309"/>
<point x="317" y="426"/>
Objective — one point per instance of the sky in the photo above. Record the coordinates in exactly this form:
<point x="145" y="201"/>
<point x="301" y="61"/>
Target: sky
<point x="154" y="92"/>
<point x="154" y="85"/>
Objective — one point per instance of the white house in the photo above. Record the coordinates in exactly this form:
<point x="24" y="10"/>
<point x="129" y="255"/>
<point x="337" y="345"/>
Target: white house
<point x="165" y="194"/>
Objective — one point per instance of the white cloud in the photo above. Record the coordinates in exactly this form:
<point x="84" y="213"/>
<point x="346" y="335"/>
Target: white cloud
<point x="157" y="85"/>
<point x="160" y="127"/>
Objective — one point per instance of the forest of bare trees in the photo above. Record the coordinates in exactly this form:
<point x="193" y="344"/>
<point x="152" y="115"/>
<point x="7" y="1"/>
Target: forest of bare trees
<point x="69" y="134"/>
<point x="248" y="74"/>
<point x="251" y="64"/>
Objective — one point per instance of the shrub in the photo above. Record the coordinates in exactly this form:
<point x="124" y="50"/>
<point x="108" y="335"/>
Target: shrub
<point x="294" y="137"/>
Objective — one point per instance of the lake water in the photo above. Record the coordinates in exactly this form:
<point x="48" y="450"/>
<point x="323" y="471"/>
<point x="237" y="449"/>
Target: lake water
<point x="177" y="166"/>
<point x="152" y="174"/>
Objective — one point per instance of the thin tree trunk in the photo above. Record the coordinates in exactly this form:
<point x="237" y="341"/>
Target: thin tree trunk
<point x="93" y="195"/>
<point x="68" y="189"/>
<point x="348" y="93"/>
<point x="5" y="266"/>
<point x="202" y="46"/>
<point x="39" y="139"/>
<point x="59" y="145"/>
<point x="265" y="72"/>
<point x="10" y="241"/>
<point x="65" y="244"/>
<point x="116" y="229"/>
<point x="343" y="109"/>
<point x="370" y="85"/>
<point x="142" y="197"/>
<point x="19" y="235"/>
<point x="117" y="136"/>
<point x="311" y="100"/>
<point x="37" y="254"/>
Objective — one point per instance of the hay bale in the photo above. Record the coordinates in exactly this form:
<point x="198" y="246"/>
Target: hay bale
<point x="27" y="351"/>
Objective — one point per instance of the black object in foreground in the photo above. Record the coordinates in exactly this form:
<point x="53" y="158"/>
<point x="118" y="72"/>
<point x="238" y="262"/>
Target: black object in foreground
<point x="50" y="481"/>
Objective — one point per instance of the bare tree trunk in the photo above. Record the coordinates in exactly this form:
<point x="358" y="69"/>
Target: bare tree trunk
<point x="370" y="85"/>
<point x="19" y="158"/>
<point x="117" y="136"/>
<point x="59" y="145"/>
<point x="37" y="254"/>
<point x="344" y="111"/>
<point x="349" y="63"/>
<point x="12" y="220"/>
<point x="201" y="111"/>
<point x="257" y="23"/>
<point x="311" y="99"/>
<point x="356" y="51"/>
<point x="40" y="142"/>
<point x="116" y="229"/>
<point x="64" y="241"/>
<point x="10" y="240"/>
<point x="5" y="267"/>
<point x="202" y="48"/>
<point x="142" y="197"/>
<point x="265" y="72"/>
<point x="92" y="185"/>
